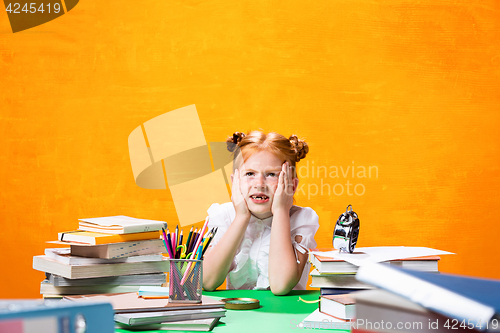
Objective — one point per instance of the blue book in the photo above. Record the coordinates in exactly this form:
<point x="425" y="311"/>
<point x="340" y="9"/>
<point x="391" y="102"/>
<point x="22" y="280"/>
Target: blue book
<point x="472" y="301"/>
<point x="18" y="316"/>
<point x="336" y="291"/>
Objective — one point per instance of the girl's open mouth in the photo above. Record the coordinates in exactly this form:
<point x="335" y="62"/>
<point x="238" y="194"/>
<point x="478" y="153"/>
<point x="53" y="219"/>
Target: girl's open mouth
<point x="259" y="198"/>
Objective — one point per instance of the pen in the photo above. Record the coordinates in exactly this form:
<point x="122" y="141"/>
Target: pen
<point x="196" y="236"/>
<point x="190" y="247"/>
<point x="176" y="235"/>
<point x="188" y="240"/>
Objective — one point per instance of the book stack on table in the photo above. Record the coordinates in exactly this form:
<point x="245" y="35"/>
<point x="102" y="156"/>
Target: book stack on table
<point x="336" y="276"/>
<point x="123" y="255"/>
<point x="135" y="313"/>
<point x="413" y="301"/>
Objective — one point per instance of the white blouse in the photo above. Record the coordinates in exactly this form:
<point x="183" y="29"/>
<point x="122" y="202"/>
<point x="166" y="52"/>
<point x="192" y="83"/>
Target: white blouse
<point x="249" y="269"/>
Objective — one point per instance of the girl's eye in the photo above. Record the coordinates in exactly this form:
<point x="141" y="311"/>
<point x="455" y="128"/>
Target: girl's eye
<point x="249" y="174"/>
<point x="271" y="174"/>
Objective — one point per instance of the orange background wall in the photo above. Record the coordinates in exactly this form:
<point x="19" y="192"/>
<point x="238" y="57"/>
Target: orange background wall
<point x="412" y="89"/>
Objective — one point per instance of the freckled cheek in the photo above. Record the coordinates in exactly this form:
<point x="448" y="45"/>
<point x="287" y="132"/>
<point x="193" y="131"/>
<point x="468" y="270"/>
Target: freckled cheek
<point x="244" y="186"/>
<point x="273" y="185"/>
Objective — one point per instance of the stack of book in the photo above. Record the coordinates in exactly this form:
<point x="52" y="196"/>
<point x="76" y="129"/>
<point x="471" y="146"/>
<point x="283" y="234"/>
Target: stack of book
<point x="338" y="280"/>
<point x="123" y="255"/>
<point x="412" y="301"/>
<point x="336" y="276"/>
<point x="133" y="312"/>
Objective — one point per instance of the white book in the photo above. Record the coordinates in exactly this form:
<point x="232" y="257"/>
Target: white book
<point x="120" y="225"/>
<point x="48" y="288"/>
<point x="324" y="321"/>
<point x="144" y="318"/>
<point x="118" y="250"/>
<point x="336" y="281"/>
<point x="202" y="325"/>
<point x="340" y="306"/>
<point x="49" y="265"/>
<point x="64" y="256"/>
<point x="153" y="279"/>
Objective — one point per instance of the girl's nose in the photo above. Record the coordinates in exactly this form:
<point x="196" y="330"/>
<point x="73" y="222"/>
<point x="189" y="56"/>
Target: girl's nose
<point x="260" y="182"/>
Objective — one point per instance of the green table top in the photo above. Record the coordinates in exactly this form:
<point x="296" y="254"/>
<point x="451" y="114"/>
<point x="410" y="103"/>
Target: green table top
<point x="276" y="313"/>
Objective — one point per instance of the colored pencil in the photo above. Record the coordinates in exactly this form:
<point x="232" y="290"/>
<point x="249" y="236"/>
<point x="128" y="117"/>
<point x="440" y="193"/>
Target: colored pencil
<point x="169" y="242"/>
<point x="165" y="243"/>
<point x="196" y="247"/>
<point x="208" y="243"/>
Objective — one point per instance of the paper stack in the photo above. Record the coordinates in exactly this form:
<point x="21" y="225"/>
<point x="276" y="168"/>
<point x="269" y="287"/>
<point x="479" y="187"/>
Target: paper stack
<point x="125" y="254"/>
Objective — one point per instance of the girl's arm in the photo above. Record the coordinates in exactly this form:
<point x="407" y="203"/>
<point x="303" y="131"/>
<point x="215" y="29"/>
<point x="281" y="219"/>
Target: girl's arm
<point x="284" y="271"/>
<point x="218" y="259"/>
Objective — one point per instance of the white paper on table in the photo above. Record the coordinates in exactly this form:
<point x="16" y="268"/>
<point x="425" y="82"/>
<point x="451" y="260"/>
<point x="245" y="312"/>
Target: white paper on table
<point x="364" y="255"/>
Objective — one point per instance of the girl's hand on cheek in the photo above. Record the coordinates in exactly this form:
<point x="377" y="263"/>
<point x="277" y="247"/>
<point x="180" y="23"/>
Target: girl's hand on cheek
<point x="283" y="197"/>
<point x="239" y="203"/>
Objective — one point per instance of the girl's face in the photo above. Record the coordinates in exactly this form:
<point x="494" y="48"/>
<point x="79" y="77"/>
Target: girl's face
<point x="258" y="182"/>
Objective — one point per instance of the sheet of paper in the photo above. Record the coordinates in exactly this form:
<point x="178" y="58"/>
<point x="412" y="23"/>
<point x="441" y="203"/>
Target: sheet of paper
<point x="364" y="255"/>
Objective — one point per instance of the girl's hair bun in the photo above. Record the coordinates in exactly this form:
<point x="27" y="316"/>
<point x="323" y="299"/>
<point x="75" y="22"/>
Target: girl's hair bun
<point x="300" y="146"/>
<point x="234" y="141"/>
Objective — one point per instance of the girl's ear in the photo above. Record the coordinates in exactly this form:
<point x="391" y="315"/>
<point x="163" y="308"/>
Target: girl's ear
<point x="295" y="184"/>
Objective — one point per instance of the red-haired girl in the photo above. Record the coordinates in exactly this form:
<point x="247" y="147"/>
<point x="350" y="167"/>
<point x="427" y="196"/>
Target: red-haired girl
<point x="262" y="238"/>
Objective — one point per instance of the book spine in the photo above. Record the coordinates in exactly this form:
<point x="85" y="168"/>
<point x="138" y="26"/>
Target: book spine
<point x="426" y="294"/>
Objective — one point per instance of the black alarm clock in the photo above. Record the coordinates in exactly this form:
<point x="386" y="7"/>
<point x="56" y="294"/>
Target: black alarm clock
<point x="345" y="235"/>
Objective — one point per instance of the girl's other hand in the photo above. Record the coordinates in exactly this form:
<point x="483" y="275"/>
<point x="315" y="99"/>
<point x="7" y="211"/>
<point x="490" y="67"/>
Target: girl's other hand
<point x="283" y="197"/>
<point x="239" y="203"/>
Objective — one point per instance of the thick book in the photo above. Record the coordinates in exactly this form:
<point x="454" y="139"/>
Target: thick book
<point x="473" y="300"/>
<point x="144" y="318"/>
<point x="327" y="265"/>
<point x="47" y="288"/>
<point x="201" y="325"/>
<point x="46" y="264"/>
<point x="120" y="224"/>
<point x="97" y="238"/>
<point x="336" y="291"/>
<point x="338" y="306"/>
<point x="118" y="250"/>
<point x="64" y="256"/>
<point x="130" y="302"/>
<point x="346" y="281"/>
<point x="153" y="279"/>
<point x="382" y="311"/>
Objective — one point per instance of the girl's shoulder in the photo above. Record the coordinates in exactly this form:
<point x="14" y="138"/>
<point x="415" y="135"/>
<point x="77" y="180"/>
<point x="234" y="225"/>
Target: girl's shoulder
<point x="303" y="216"/>
<point x="221" y="214"/>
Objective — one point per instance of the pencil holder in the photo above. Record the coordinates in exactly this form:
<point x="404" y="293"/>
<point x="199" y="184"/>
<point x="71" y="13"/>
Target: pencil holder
<point x="185" y="282"/>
